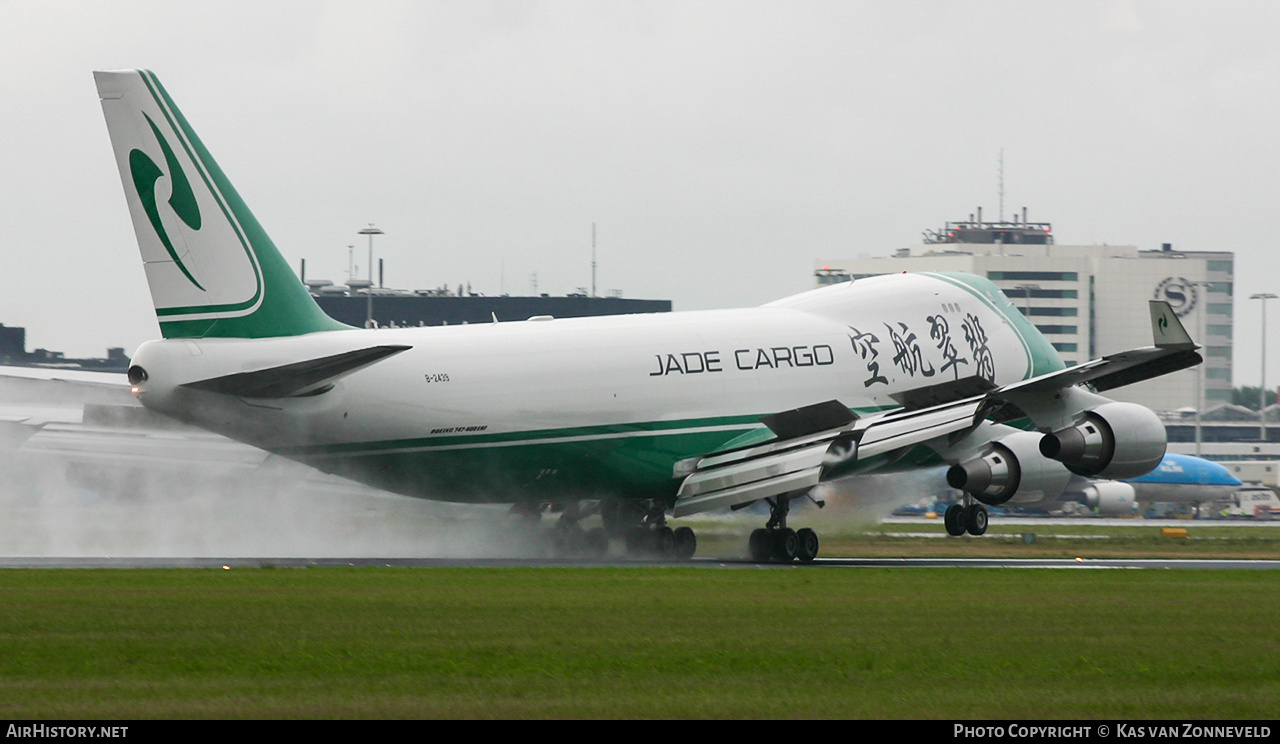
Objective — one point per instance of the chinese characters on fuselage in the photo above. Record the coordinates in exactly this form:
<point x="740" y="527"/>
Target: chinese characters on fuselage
<point x="910" y="359"/>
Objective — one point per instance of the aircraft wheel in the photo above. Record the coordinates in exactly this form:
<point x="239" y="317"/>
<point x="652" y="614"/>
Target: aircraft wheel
<point x="953" y="518"/>
<point x="664" y="542"/>
<point x="620" y="516"/>
<point x="525" y="513"/>
<point x="759" y="546"/>
<point x="785" y="545"/>
<point x="686" y="543"/>
<point x="567" y="542"/>
<point x="807" y="545"/>
<point x="638" y="541"/>
<point x="596" y="543"/>
<point x="975" y="519"/>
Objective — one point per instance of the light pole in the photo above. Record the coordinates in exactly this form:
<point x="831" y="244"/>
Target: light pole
<point x="368" y="315"/>
<point x="1262" y="383"/>
<point x="1203" y="312"/>
<point x="1026" y="303"/>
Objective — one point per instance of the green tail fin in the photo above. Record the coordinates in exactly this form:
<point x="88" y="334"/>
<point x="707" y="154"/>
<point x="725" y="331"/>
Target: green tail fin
<point x="212" y="270"/>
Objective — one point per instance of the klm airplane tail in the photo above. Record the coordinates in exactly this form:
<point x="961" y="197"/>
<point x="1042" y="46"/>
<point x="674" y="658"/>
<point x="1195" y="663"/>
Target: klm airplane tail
<point x="212" y="270"/>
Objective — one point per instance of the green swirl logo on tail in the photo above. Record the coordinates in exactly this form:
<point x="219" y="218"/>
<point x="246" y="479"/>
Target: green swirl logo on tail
<point x="145" y="173"/>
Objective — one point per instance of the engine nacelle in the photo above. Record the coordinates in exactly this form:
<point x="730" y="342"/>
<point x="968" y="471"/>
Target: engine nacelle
<point x="1011" y="469"/>
<point x="1115" y="440"/>
<point x="1110" y="497"/>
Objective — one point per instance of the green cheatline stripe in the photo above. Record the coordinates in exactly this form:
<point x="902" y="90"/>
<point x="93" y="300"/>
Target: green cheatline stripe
<point x="728" y="424"/>
<point x="538" y="436"/>
<point x="166" y="104"/>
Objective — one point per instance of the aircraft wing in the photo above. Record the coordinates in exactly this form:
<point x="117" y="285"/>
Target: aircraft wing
<point x="79" y="378"/>
<point x="743" y="475"/>
<point x="1173" y="350"/>
<point x="34" y="397"/>
<point x="801" y="455"/>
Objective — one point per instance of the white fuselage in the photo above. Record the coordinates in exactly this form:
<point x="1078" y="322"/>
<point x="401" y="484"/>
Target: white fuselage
<point x="558" y="400"/>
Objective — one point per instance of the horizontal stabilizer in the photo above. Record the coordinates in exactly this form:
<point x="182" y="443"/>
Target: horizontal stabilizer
<point x="299" y="378"/>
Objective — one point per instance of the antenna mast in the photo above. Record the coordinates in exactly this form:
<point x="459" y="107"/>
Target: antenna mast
<point x="1001" y="184"/>
<point x="593" y="259"/>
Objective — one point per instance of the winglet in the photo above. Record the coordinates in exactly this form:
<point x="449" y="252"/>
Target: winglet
<point x="1166" y="329"/>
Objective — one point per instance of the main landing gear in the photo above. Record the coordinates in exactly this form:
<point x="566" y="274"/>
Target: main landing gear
<point x="778" y="542"/>
<point x="640" y="526"/>
<point x="570" y="540"/>
<point x="967" y="516"/>
<point x="567" y="538"/>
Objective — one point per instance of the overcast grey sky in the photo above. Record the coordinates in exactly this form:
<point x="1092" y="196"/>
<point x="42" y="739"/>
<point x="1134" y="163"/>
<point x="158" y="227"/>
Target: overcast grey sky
<point x="721" y="147"/>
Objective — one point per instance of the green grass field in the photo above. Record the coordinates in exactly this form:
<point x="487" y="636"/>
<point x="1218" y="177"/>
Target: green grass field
<point x="638" y="642"/>
<point x="1067" y="539"/>
<point x="1062" y="538"/>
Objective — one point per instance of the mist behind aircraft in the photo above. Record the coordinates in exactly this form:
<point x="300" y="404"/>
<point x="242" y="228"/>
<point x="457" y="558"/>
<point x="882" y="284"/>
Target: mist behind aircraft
<point x="77" y="488"/>
<point x="74" y="488"/>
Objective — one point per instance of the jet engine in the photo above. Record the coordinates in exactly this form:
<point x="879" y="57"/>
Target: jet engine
<point x="1011" y="468"/>
<point x="1115" y="440"/>
<point x="1110" y="497"/>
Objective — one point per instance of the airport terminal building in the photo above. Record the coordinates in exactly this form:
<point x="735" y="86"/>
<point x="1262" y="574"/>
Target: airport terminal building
<point x="1088" y="300"/>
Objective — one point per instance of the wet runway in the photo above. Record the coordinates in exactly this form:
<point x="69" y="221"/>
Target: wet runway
<point x="83" y="489"/>
<point x="422" y="520"/>
<point x="709" y="563"/>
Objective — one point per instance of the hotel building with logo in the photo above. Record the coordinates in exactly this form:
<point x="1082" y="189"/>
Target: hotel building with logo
<point x="1087" y="300"/>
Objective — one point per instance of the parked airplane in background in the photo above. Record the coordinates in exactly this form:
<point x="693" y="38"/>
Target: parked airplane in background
<point x="636" y="416"/>
<point x="1178" y="479"/>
